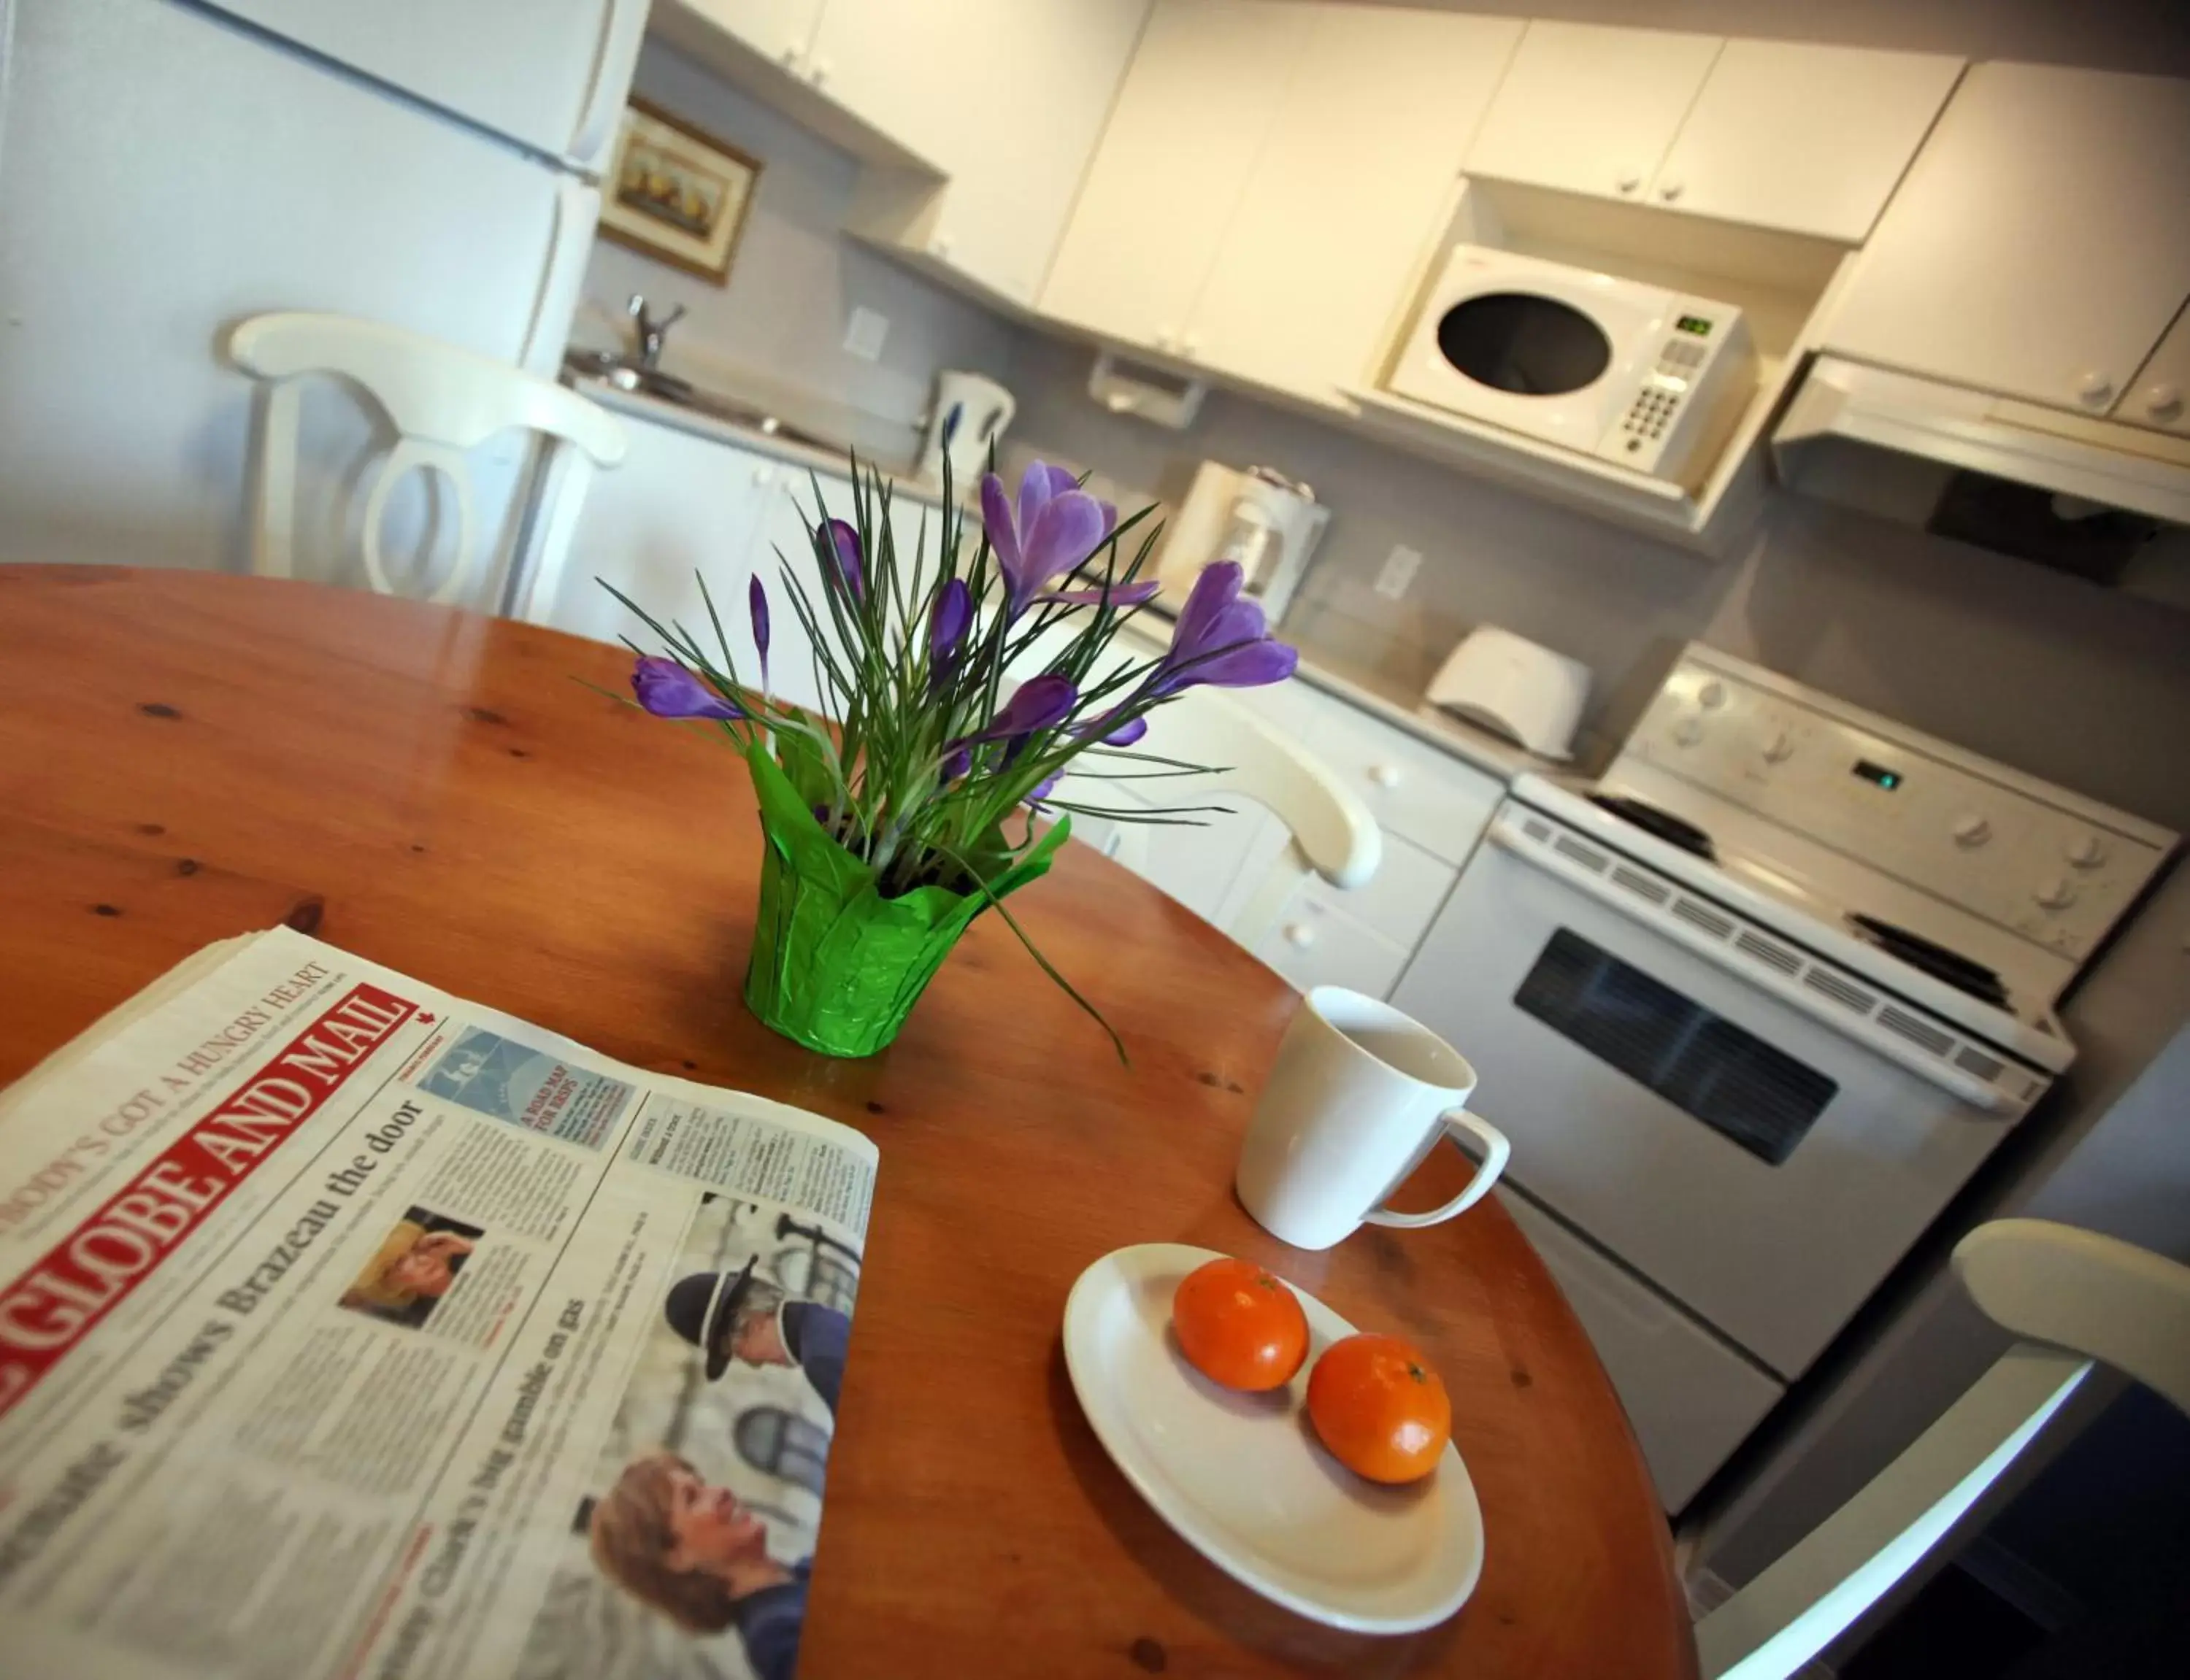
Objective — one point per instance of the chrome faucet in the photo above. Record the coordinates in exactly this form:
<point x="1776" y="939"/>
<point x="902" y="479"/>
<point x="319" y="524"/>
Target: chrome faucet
<point x="651" y="332"/>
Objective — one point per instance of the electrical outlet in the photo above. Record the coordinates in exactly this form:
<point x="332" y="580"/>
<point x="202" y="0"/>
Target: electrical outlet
<point x="1398" y="573"/>
<point x="865" y="333"/>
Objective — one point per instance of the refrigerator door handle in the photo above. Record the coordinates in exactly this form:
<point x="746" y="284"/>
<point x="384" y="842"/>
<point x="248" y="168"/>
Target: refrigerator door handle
<point x="562" y="276"/>
<point x="623" y="25"/>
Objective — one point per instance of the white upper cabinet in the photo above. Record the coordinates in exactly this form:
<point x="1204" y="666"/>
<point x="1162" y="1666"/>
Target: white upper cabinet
<point x="2040" y="245"/>
<point x="1183" y="140"/>
<point x="777" y="30"/>
<point x="1589" y="109"/>
<point x="2159" y="395"/>
<point x="1810" y="139"/>
<point x="1006" y="97"/>
<point x="1344" y="197"/>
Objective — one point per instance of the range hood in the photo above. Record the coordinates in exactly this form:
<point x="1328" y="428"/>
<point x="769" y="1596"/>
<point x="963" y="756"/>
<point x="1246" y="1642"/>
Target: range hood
<point x="2083" y="495"/>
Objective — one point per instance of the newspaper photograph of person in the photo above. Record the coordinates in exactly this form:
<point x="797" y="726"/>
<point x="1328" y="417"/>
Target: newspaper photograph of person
<point x="415" y="1266"/>
<point x="691" y="1554"/>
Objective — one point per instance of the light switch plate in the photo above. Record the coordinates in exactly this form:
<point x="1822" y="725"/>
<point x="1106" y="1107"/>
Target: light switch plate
<point x="865" y="333"/>
<point x="1398" y="573"/>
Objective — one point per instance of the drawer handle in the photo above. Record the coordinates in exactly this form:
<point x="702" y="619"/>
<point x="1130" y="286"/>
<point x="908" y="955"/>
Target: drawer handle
<point x="1384" y="775"/>
<point x="1300" y="933"/>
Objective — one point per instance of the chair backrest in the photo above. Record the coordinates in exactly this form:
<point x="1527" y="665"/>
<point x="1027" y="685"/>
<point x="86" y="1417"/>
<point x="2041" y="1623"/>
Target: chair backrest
<point x="1331" y="832"/>
<point x="442" y="402"/>
<point x="2067" y="1289"/>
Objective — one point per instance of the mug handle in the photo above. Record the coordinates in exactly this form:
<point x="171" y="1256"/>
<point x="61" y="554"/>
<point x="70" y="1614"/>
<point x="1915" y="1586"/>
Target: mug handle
<point x="1495" y="1151"/>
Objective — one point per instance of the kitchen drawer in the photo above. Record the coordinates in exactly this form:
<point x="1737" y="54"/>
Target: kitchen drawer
<point x="1413" y="790"/>
<point x="1691" y="1398"/>
<point x="1314" y="945"/>
<point x="1399" y="900"/>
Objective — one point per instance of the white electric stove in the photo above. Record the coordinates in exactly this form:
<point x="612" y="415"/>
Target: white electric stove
<point x="1752" y="1009"/>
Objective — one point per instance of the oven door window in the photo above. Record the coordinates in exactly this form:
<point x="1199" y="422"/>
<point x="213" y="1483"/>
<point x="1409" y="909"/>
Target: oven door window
<point x="1727" y="1078"/>
<point x="1530" y="346"/>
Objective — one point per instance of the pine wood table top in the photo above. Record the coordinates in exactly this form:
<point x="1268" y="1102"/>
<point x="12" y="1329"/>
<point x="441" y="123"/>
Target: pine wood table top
<point x="184" y="757"/>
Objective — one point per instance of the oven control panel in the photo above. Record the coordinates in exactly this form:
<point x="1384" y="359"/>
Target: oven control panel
<point x="2047" y="864"/>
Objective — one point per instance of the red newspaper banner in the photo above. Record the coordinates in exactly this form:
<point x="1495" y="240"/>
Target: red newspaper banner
<point x="53" y="1306"/>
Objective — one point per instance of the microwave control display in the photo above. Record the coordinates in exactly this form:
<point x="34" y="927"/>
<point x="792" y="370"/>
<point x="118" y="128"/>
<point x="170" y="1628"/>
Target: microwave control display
<point x="1695" y="323"/>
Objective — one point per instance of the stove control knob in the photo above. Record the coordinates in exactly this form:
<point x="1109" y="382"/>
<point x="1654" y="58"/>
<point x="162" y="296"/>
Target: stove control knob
<point x="1688" y="732"/>
<point x="2087" y="853"/>
<point x="1780" y="749"/>
<point x="2055" y="895"/>
<point x="1972" y="829"/>
<point x="1711" y="695"/>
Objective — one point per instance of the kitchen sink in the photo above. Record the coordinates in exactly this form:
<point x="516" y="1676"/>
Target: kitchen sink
<point x="668" y="387"/>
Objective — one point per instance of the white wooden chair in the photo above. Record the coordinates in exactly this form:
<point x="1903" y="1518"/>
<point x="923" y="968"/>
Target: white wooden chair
<point x="2079" y="1298"/>
<point x="1331" y="832"/>
<point x="442" y="402"/>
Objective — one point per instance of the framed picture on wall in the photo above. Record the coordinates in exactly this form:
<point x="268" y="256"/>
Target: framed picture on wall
<point x="677" y="194"/>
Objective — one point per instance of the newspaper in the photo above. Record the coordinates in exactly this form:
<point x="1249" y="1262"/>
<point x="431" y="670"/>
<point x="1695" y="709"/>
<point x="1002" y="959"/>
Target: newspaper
<point x="350" y="1329"/>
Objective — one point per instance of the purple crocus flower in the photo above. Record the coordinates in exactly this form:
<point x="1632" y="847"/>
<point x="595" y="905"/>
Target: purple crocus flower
<point x="1221" y="639"/>
<point x="1041" y="703"/>
<point x="1055" y="527"/>
<point x="850" y="559"/>
<point x="666" y="689"/>
<point x="1122" y="735"/>
<point x="757" y="603"/>
<point x="947" y="624"/>
<point x="1119" y="595"/>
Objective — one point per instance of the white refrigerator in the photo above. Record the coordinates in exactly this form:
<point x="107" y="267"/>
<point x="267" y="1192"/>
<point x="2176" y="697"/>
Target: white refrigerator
<point x="168" y="169"/>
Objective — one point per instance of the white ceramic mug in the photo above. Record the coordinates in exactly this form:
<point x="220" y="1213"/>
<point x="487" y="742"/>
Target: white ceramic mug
<point x="1359" y="1095"/>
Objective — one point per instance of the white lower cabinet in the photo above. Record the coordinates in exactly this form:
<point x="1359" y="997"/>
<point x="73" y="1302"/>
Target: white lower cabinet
<point x="1316" y="943"/>
<point x="683" y="504"/>
<point x="678" y="505"/>
<point x="1415" y="791"/>
<point x="1430" y="806"/>
<point x="1691" y="1398"/>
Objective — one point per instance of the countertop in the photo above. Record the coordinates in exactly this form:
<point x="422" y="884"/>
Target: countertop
<point x="1369" y="692"/>
<point x="1366" y="690"/>
<point x="803" y="450"/>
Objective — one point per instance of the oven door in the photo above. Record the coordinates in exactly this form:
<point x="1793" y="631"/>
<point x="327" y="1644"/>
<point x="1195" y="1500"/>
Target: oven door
<point x="1759" y="1164"/>
<point x="1540" y="348"/>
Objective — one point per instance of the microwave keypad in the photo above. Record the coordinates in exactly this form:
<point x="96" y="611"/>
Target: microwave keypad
<point x="1656" y="405"/>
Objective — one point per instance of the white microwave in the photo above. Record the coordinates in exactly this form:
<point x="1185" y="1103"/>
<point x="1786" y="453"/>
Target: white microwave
<point x="1651" y="379"/>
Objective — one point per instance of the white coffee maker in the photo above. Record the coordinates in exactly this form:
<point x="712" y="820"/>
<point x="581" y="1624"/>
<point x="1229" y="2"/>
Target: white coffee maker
<point x="1268" y="522"/>
<point x="971" y="412"/>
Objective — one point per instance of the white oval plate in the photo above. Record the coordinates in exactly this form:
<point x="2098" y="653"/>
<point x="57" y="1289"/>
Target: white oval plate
<point x="1242" y="1477"/>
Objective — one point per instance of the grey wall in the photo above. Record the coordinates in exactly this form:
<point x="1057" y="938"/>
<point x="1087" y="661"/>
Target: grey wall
<point x="778" y="323"/>
<point x="2083" y="686"/>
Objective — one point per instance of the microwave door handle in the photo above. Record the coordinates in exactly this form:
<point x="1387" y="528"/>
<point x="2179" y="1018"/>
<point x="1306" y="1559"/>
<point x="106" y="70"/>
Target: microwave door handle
<point x="1506" y="833"/>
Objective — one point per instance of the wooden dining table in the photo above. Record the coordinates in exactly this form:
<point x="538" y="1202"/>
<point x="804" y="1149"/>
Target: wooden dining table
<point x="185" y="756"/>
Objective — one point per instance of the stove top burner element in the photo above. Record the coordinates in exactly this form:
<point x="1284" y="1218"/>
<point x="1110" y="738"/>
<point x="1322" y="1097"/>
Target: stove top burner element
<point x="1937" y="960"/>
<point x="1663" y="825"/>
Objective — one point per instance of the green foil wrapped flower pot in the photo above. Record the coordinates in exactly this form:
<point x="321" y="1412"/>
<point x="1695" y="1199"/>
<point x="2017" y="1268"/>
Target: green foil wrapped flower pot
<point x="835" y="966"/>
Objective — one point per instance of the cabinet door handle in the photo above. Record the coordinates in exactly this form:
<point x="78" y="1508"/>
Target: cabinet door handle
<point x="2163" y="401"/>
<point x="940" y="246"/>
<point x="763" y="475"/>
<point x="1669" y="191"/>
<point x="2094" y="388"/>
<point x="820" y="73"/>
<point x="1193" y="343"/>
<point x="1628" y="184"/>
<point x="1384" y="775"/>
<point x="1300" y="933"/>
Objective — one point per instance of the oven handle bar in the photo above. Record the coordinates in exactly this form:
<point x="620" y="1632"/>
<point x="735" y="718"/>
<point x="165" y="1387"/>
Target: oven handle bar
<point x="1506" y="833"/>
